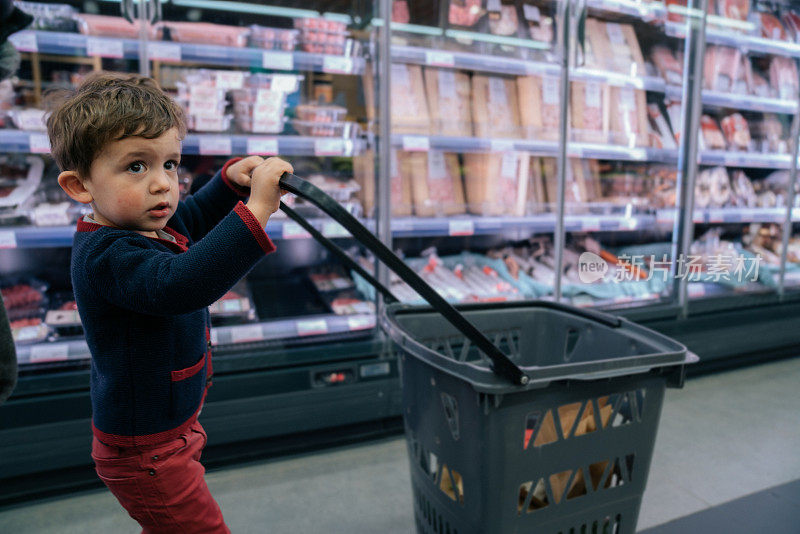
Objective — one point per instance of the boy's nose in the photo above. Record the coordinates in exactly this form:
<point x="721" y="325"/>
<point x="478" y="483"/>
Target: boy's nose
<point x="160" y="182"/>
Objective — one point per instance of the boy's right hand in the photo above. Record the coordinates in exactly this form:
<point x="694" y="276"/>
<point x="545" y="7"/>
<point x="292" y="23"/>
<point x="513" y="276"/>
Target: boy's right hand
<point x="265" y="191"/>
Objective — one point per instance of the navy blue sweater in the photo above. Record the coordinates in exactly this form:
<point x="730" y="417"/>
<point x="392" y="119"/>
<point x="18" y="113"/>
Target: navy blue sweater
<point x="143" y="304"/>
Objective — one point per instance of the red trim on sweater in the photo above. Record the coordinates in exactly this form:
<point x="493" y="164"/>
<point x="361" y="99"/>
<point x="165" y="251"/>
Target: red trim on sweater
<point x="148" y="439"/>
<point x="255" y="227"/>
<point x="181" y="241"/>
<point x="239" y="190"/>
<point x="84" y="226"/>
<point x="189" y="372"/>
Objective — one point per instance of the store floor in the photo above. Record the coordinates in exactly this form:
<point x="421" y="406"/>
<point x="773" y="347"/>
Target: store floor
<point x="721" y="438"/>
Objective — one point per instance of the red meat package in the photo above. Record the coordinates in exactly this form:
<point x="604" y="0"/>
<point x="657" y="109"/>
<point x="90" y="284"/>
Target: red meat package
<point x="792" y="22"/>
<point x="668" y="66"/>
<point x="400" y="12"/>
<point x="725" y="70"/>
<point x="736" y="130"/>
<point x="783" y="77"/>
<point x="771" y="27"/>
<point x="590" y="118"/>
<point x="733" y="9"/>
<point x="712" y="136"/>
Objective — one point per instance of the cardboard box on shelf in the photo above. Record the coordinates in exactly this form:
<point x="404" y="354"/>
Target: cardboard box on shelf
<point x="409" y="106"/>
<point x="435" y="179"/>
<point x="364" y="174"/>
<point x="497" y="184"/>
<point x="615" y="47"/>
<point x="590" y="112"/>
<point x="495" y="106"/>
<point x="539" y="109"/>
<point x="537" y="192"/>
<point x="449" y="100"/>
<point x="629" y="123"/>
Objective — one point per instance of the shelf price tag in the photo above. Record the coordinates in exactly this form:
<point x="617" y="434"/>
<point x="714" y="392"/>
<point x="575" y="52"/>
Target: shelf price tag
<point x="502" y="145"/>
<point x="278" y="60"/>
<point x="311" y="327"/>
<point x="164" y="51"/>
<point x="39" y="143"/>
<point x="716" y="216"/>
<point x="457" y="227"/>
<point x="25" y="41"/>
<point x="436" y="58"/>
<point x="246" y="333"/>
<point x="360" y="322"/>
<point x="416" y="143"/>
<point x="8" y="239"/>
<point x="328" y="147"/>
<point x="97" y="46"/>
<point x="214" y="336"/>
<point x="334" y="229"/>
<point x="49" y="352"/>
<point x="337" y="64"/>
<point x="590" y="224"/>
<point x="215" y="145"/>
<point x="292" y="230"/>
<point x="51" y="214"/>
<point x="262" y="146"/>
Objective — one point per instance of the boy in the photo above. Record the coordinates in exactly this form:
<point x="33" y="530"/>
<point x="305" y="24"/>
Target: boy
<point x="144" y="269"/>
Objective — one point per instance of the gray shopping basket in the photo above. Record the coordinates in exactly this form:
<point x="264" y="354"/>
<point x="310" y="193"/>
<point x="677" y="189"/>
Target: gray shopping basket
<point x="520" y="417"/>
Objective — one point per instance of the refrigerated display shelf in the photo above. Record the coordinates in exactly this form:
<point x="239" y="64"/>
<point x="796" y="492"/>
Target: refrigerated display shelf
<point x="223" y="336"/>
<point x="745" y="159"/>
<point x="219" y="144"/>
<point x="666" y="217"/>
<point x="737" y="101"/>
<point x="644" y="10"/>
<point x="74" y="44"/>
<point x="743" y="41"/>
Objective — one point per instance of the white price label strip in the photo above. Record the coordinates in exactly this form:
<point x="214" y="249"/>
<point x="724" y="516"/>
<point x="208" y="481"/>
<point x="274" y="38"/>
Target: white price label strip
<point x="50" y="352"/>
<point x="278" y="61"/>
<point x="262" y="146"/>
<point x="246" y="333"/>
<point x="8" y="239"/>
<point x="215" y="145"/>
<point x="416" y="143"/>
<point x="164" y="51"/>
<point x="359" y="322"/>
<point x="334" y="229"/>
<point x="328" y="147"/>
<point x="312" y="327"/>
<point x="39" y="143"/>
<point x="502" y="145"/>
<point x="439" y="59"/>
<point x="590" y="224"/>
<point x="337" y="64"/>
<point x="292" y="230"/>
<point x="214" y="337"/>
<point x="96" y="46"/>
<point x="25" y="41"/>
<point x="461" y="227"/>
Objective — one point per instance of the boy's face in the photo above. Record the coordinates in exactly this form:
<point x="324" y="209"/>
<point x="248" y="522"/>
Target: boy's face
<point x="134" y="183"/>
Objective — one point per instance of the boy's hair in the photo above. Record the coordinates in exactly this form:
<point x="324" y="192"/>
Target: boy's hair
<point x="107" y="107"/>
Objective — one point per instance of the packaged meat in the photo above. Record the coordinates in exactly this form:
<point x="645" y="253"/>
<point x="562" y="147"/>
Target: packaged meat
<point x="273" y="38"/>
<point x="322" y="36"/>
<point x="537" y="193"/>
<point x="400" y="184"/>
<point x="205" y="33"/>
<point x="677" y="16"/>
<point x="769" y="135"/>
<point x="628" y="117"/>
<point x="539" y="106"/>
<point x="582" y="182"/>
<point x="674" y="110"/>
<point x="792" y="22"/>
<point x="733" y="9"/>
<point x="736" y="131"/>
<point x="106" y="26"/>
<point x="744" y="194"/>
<point x="616" y="47"/>
<point x="450" y="102"/>
<point x="19" y="178"/>
<point x="400" y="12"/>
<point x="668" y="66"/>
<point x="235" y="306"/>
<point x="505" y="21"/>
<point x="465" y="13"/>
<point x="712" y="188"/>
<point x="409" y="106"/>
<point x="436" y="185"/>
<point x="663" y="190"/>
<point x="495" y="106"/>
<point x="64" y="319"/>
<point x="760" y="86"/>
<point x="783" y="77"/>
<point x="725" y="70"/>
<point x="590" y="111"/>
<point x="540" y="25"/>
<point x="771" y="27"/>
<point x="712" y="136"/>
<point x="662" y="136"/>
<point x="496" y="184"/>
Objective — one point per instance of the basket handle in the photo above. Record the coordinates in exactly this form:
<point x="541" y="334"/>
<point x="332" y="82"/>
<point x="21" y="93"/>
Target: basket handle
<point x="501" y="364"/>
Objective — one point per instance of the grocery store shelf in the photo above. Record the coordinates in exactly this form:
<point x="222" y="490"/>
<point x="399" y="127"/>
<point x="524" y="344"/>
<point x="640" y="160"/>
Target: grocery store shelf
<point x="726" y="216"/>
<point x="622" y="153"/>
<point x="644" y="10"/>
<point x="220" y="144"/>
<point x="745" y="159"/>
<point x="288" y="329"/>
<point x="746" y="102"/>
<point x="749" y="43"/>
<point x="74" y="44"/>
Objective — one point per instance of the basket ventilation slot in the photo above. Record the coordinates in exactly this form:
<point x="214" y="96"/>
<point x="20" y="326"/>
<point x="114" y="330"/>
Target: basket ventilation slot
<point x="429" y="520"/>
<point x="607" y="525"/>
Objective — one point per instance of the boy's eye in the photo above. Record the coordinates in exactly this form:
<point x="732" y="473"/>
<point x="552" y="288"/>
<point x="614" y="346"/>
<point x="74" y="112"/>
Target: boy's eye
<point x="136" y="167"/>
<point x="171" y="165"/>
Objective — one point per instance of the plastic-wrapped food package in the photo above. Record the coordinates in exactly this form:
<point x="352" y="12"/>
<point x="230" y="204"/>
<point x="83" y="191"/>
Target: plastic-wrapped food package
<point x="628" y="117"/>
<point x="449" y="100"/>
<point x="205" y="33"/>
<point x="783" y="77"/>
<point x="664" y="186"/>
<point x="737" y="131"/>
<point x="20" y="176"/>
<point x="205" y="104"/>
<point x="322" y="120"/>
<point x="667" y="64"/>
<point x="436" y="186"/>
<point x="661" y="132"/>
<point x="771" y="27"/>
<point x="770" y="135"/>
<point x="52" y="17"/>
<point x="495" y="106"/>
<point x="616" y="46"/>
<point x="400" y="184"/>
<point x="497" y="184"/>
<point x="792" y="22"/>
<point x="540" y="25"/>
<point x="733" y="9"/>
<point x="409" y="106"/>
<point x="260" y="105"/>
<point x="726" y="70"/>
<point x="590" y="120"/>
<point x="26" y="303"/>
<point x="539" y="106"/>
<point x="322" y="36"/>
<point x="235" y="306"/>
<point x="273" y="38"/>
<point x="465" y="13"/>
<point x="106" y="26"/>
<point x="712" y="138"/>
<point x="29" y="119"/>
<point x="744" y="194"/>
<point x="713" y="188"/>
<point x="63" y="317"/>
<point x="400" y="12"/>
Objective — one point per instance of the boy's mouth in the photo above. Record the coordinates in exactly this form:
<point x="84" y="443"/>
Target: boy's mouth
<point x="160" y="210"/>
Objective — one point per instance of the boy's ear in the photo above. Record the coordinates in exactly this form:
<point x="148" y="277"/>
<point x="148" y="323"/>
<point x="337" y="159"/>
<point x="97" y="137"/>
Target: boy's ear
<point x="72" y="184"/>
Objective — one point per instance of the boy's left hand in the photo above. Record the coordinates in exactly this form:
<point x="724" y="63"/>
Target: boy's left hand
<point x="239" y="172"/>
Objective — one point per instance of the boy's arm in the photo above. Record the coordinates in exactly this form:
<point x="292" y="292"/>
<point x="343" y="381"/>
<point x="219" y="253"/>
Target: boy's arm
<point x="203" y="210"/>
<point x="131" y="274"/>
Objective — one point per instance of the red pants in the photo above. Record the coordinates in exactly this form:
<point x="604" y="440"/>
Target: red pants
<point x="163" y="486"/>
